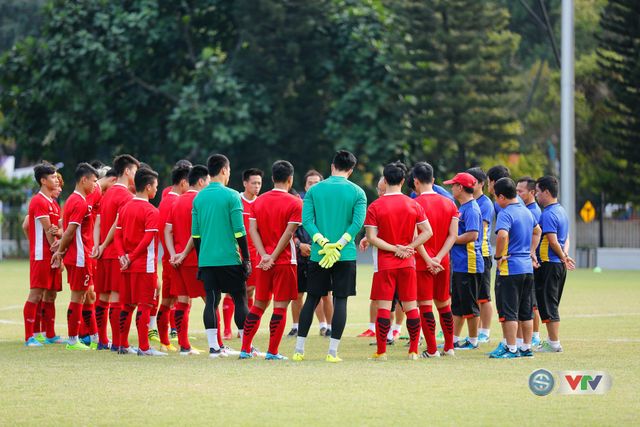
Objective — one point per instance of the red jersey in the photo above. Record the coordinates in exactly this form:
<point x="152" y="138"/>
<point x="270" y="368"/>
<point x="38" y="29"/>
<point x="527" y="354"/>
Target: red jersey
<point x="112" y="201"/>
<point x="56" y="215"/>
<point x="93" y="200"/>
<point x="40" y="206"/>
<point x="439" y="210"/>
<point x="165" y="210"/>
<point x="395" y="216"/>
<point x="76" y="211"/>
<point x="180" y="220"/>
<point x="166" y="191"/>
<point x="273" y="211"/>
<point x="138" y="225"/>
<point x="246" y="214"/>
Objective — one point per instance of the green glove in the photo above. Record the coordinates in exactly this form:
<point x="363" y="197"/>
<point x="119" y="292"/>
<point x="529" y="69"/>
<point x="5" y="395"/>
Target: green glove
<point x="320" y="239"/>
<point x="331" y="255"/>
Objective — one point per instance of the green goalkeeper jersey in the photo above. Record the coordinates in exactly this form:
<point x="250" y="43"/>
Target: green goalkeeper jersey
<point x="333" y="207"/>
<point x="216" y="218"/>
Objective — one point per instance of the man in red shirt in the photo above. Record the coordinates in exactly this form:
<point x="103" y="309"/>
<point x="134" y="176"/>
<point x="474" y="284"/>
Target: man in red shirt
<point x="41" y="244"/>
<point x="432" y="263"/>
<point x="183" y="259"/>
<point x="275" y="216"/>
<point x="391" y="223"/>
<point x="180" y="181"/>
<point x="137" y="248"/>
<point x="109" y="277"/>
<point x="75" y="248"/>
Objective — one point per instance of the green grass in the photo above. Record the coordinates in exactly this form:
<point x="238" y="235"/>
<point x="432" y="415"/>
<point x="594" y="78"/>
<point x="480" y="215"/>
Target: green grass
<point x="51" y="386"/>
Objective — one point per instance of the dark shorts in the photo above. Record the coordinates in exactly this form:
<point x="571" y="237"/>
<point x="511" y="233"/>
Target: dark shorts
<point x="225" y="279"/>
<point x="550" y="278"/>
<point x="339" y="279"/>
<point x="516" y="298"/>
<point x="464" y="295"/>
<point x="302" y="277"/>
<point x="484" y="279"/>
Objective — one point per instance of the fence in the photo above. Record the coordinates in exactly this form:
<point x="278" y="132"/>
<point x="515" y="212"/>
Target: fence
<point x="617" y="234"/>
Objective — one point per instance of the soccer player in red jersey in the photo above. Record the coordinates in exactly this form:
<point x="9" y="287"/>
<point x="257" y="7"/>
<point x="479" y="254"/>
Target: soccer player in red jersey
<point x="41" y="244"/>
<point x="109" y="277"/>
<point x="391" y="227"/>
<point x="136" y="243"/>
<point x="74" y="247"/>
<point x="432" y="263"/>
<point x="183" y="259"/>
<point x="252" y="182"/>
<point x="275" y="216"/>
<point x="180" y="181"/>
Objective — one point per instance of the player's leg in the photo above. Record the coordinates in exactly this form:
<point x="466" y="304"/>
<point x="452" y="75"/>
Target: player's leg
<point x="555" y="277"/>
<point x="318" y="285"/>
<point x="322" y="320"/>
<point x="510" y="291"/>
<point x="263" y="293"/>
<point x="127" y="308"/>
<point x="525" y="316"/>
<point x="371" y="330"/>
<point x="383" y="292"/>
<point x="209" y="315"/>
<point x="284" y="280"/>
<point x="228" y="308"/>
<point x="398" y="318"/>
<point x="484" y="300"/>
<point x="89" y="317"/>
<point x="342" y="278"/>
<point x="296" y="305"/>
<point x="39" y="274"/>
<point x="425" y="282"/>
<point x="469" y="311"/>
<point x="115" y="279"/>
<point x="407" y="294"/>
<point x="327" y="308"/>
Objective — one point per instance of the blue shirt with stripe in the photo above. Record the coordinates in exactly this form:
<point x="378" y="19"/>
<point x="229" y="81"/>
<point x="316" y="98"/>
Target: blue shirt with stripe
<point x="535" y="211"/>
<point x="553" y="220"/>
<point x="487" y="210"/>
<point x="467" y="258"/>
<point x="516" y="220"/>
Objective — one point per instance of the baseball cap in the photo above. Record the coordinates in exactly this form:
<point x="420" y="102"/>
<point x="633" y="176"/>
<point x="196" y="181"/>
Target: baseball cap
<point x="464" y="179"/>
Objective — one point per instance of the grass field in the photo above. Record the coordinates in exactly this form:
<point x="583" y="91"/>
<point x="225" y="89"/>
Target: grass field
<point x="51" y="386"/>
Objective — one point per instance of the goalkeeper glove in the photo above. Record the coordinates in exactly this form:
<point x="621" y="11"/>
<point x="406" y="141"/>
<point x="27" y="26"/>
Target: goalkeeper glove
<point x="331" y="251"/>
<point x="320" y="239"/>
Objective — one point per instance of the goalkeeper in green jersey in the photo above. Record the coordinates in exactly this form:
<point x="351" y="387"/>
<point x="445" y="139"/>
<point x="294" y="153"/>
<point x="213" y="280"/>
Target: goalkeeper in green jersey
<point x="333" y="213"/>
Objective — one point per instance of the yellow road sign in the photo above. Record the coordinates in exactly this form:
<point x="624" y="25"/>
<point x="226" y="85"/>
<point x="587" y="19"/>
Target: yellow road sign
<point x="588" y="212"/>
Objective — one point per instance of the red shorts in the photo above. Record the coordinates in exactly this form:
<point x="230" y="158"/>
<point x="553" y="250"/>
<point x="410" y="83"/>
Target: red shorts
<point x="434" y="287"/>
<point x="41" y="275"/>
<point x="184" y="282"/>
<point x="168" y="272"/>
<point x="79" y="278"/>
<point x="387" y="282"/>
<point x="57" y="280"/>
<point x="139" y="288"/>
<point x="109" y="278"/>
<point x="281" y="282"/>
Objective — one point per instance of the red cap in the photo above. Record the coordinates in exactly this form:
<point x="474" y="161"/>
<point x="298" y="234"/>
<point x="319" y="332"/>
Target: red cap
<point x="464" y="179"/>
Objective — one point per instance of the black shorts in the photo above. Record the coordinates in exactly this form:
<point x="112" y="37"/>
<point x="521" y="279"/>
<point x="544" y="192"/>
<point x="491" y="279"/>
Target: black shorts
<point x="550" y="278"/>
<point x="516" y="297"/>
<point x="484" y="282"/>
<point x="339" y="279"/>
<point x="464" y="295"/>
<point x="302" y="277"/>
<point x="226" y="279"/>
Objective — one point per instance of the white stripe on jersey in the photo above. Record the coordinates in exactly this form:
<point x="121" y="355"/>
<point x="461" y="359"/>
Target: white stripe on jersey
<point x="151" y="257"/>
<point x="79" y="247"/>
<point x="39" y="248"/>
<point x="294" y="259"/>
<point x="375" y="259"/>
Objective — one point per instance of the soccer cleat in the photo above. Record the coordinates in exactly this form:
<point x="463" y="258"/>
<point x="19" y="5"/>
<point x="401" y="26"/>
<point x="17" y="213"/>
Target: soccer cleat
<point x="114" y="348"/>
<point x="292" y="333"/>
<point x="93" y="345"/>
<point x="227" y="335"/>
<point x="451" y="352"/>
<point x="54" y="340"/>
<point x="332" y="359"/>
<point x="545" y="347"/>
<point x="466" y="345"/>
<point x="168" y="348"/>
<point x="102" y="346"/>
<point x="173" y="335"/>
<point x="525" y="353"/>
<point x="413" y="356"/>
<point x="505" y="354"/>
<point x="151" y="352"/>
<point x="535" y="342"/>
<point x="278" y="356"/>
<point x="32" y="342"/>
<point x="367" y="334"/>
<point x="127" y="350"/>
<point x="297" y="357"/>
<point x="483" y="338"/>
<point x="228" y="351"/>
<point x="244" y="355"/>
<point x="426" y="355"/>
<point x="189" y="352"/>
<point x="40" y="338"/>
<point x="498" y="349"/>
<point x="153" y="335"/>
<point x="323" y="331"/>
<point x="327" y="333"/>
<point x="376" y="356"/>
<point x="214" y="354"/>
<point x="440" y="336"/>
<point x="86" y="340"/>
<point x="257" y="353"/>
<point x="395" y="335"/>
<point x="78" y="345"/>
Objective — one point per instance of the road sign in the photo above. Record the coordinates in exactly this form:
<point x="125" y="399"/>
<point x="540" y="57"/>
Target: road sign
<point x="588" y="212"/>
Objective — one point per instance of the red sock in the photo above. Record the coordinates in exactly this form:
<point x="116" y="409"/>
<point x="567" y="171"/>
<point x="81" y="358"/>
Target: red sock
<point x="142" y="324"/>
<point x="383" y="323"/>
<point x="163" y="324"/>
<point x="227" y="312"/>
<point x="276" y="328"/>
<point x="219" y="335"/>
<point x="29" y="314"/>
<point x="74" y="316"/>
<point x="126" y="314"/>
<point x="446" y="322"/>
<point x="89" y="318"/>
<point x="114" y="320"/>
<point x="49" y="319"/>
<point x="102" y="308"/>
<point x="172" y="317"/>
<point x="251" y="325"/>
<point x="428" y="322"/>
<point x="37" y="324"/>
<point x="182" y="325"/>
<point x="249" y="302"/>
<point x="413" y="326"/>
<point x="154" y="309"/>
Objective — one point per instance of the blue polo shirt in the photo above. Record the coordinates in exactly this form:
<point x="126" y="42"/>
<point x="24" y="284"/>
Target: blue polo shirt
<point x="468" y="258"/>
<point x="519" y="223"/>
<point x="553" y="220"/>
<point x="487" y="210"/>
<point x="535" y="210"/>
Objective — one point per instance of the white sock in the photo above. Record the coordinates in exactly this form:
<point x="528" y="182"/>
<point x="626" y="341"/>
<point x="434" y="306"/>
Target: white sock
<point x="241" y="333"/>
<point x="486" y="332"/>
<point x="72" y="340"/>
<point x="333" y="347"/>
<point x="525" y="347"/>
<point x="456" y="339"/>
<point x="152" y="322"/>
<point x="372" y="327"/>
<point x="294" y="326"/>
<point x="94" y="338"/>
<point x="512" y="348"/>
<point x="473" y="340"/>
<point x="212" y="339"/>
<point x="504" y="341"/>
<point x="397" y="327"/>
<point x="328" y="325"/>
<point x="390" y="334"/>
<point x="323" y="325"/>
<point x="300" y="344"/>
<point x="536" y="335"/>
<point x="519" y="342"/>
<point x="554" y="344"/>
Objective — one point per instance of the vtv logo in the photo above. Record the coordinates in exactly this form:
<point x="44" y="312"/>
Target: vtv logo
<point x="584" y="382"/>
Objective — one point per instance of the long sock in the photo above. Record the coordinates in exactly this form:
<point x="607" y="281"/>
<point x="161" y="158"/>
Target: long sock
<point x="227" y="313"/>
<point x="163" y="324"/>
<point x="251" y="325"/>
<point x="102" y="308"/>
<point x="413" y="327"/>
<point x="383" y="323"/>
<point x="249" y="302"/>
<point x="333" y="346"/>
<point x="29" y="314"/>
<point x="49" y="319"/>
<point x="172" y="317"/>
<point x="428" y="322"/>
<point x="114" y="320"/>
<point x="126" y="314"/>
<point x="37" y="323"/>
<point x="153" y="316"/>
<point x="182" y="324"/>
<point x="142" y="324"/>
<point x="74" y="315"/>
<point x="276" y="328"/>
<point x="219" y="333"/>
<point x="446" y="321"/>
<point x="89" y="318"/>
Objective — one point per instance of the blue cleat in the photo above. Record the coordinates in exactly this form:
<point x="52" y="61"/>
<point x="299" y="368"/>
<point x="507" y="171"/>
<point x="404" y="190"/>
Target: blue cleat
<point x="86" y="340"/>
<point x="102" y="346"/>
<point x="32" y="342"/>
<point x="504" y="353"/>
<point x="245" y="355"/>
<point x="54" y="340"/>
<point x="114" y="348"/>
<point x="466" y="345"/>
<point x="535" y="342"/>
<point x="278" y="356"/>
<point x="525" y="353"/>
<point x="498" y="349"/>
<point x="483" y="338"/>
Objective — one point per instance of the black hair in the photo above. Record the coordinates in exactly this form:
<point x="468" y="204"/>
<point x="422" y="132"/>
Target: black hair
<point x="409" y="181"/>
<point x="216" y="162"/>
<point x="144" y="176"/>
<point x="124" y="161"/>
<point x="531" y="183"/>
<point x="182" y="163"/>
<point x="423" y="172"/>
<point x="179" y="173"/>
<point x="97" y="164"/>
<point x="548" y="182"/>
<point x="196" y="173"/>
<point x="478" y="174"/>
<point x="43" y="170"/>
<point x="281" y="171"/>
<point x="468" y="190"/>
<point x="505" y="187"/>
<point x="394" y="173"/>
<point x="247" y="174"/>
<point x="84" y="169"/>
<point x="111" y="173"/>
<point x="310" y="173"/>
<point x="497" y="172"/>
<point x="344" y="161"/>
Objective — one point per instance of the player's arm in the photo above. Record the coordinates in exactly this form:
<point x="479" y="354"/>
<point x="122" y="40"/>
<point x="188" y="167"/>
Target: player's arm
<point x="95" y="253"/>
<point x="256" y="239"/>
<point x="426" y="232"/>
<point x="374" y="240"/>
<point x="359" y="215"/>
<point x="567" y="245"/>
<point x="239" y="232"/>
<point x="535" y="241"/>
<point x="25" y="227"/>
<point x="309" y="214"/>
<point x="68" y="235"/>
<point x="469" y="236"/>
<point x="555" y="246"/>
<point x="110" y="235"/>
<point x="501" y="245"/>
<point x="284" y="240"/>
<point x="141" y="248"/>
<point x="450" y="240"/>
<point x="168" y="240"/>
